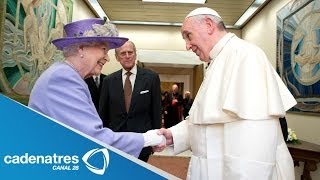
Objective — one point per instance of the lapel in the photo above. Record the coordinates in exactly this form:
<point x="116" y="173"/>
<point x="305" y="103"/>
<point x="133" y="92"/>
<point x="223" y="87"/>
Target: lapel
<point x="138" y="85"/>
<point x="119" y="88"/>
<point x="101" y="80"/>
<point x="92" y="85"/>
<point x="102" y="76"/>
<point x="91" y="81"/>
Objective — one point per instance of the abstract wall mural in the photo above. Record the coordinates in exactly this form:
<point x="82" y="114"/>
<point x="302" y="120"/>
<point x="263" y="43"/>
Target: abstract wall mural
<point x="298" y="52"/>
<point x="27" y="28"/>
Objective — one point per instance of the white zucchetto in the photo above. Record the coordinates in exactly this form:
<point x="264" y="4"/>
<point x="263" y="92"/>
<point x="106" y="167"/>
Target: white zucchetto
<point x="203" y="11"/>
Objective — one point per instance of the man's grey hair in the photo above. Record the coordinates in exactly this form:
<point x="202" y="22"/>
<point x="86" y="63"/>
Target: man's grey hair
<point x="215" y="19"/>
<point x="116" y="50"/>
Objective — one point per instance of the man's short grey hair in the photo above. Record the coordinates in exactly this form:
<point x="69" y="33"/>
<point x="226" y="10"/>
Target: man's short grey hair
<point x="116" y="50"/>
<point x="215" y="19"/>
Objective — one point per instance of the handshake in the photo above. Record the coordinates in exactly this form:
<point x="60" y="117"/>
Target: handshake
<point x="151" y="138"/>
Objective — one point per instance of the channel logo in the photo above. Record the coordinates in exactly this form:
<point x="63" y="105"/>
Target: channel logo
<point x="105" y="156"/>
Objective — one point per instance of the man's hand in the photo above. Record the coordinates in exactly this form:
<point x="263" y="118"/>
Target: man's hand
<point x="169" y="140"/>
<point x="152" y="138"/>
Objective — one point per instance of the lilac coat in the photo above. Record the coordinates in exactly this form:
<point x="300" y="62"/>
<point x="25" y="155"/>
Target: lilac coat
<point x="62" y="94"/>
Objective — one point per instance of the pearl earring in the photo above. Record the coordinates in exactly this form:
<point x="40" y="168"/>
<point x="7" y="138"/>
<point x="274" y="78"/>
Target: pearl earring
<point x="81" y="55"/>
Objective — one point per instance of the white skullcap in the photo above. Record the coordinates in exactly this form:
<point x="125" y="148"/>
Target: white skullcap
<point x="203" y="11"/>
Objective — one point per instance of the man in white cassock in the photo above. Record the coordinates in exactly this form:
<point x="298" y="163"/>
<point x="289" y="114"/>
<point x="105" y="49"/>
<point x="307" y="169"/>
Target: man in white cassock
<point x="233" y="127"/>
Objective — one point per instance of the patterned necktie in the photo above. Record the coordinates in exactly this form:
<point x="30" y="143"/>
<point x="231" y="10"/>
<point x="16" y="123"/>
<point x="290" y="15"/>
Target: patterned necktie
<point x="127" y="91"/>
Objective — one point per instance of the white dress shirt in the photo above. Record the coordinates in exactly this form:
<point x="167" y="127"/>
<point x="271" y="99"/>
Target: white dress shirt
<point x="132" y="76"/>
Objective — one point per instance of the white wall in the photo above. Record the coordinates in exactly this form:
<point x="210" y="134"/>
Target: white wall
<point x="149" y="38"/>
<point x="81" y="11"/>
<point x="262" y="31"/>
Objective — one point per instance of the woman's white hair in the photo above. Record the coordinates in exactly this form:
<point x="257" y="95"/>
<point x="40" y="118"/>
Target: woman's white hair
<point x="72" y="49"/>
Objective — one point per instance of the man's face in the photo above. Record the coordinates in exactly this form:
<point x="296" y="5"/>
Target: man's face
<point x="126" y="56"/>
<point x="175" y="88"/>
<point x="195" y="34"/>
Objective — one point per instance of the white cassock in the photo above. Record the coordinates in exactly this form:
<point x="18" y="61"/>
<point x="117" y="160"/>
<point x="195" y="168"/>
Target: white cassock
<point x="233" y="129"/>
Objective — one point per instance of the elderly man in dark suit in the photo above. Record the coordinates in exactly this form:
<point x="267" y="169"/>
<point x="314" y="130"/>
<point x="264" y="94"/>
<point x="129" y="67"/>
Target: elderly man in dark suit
<point x="175" y="107"/>
<point x="94" y="84"/>
<point x="131" y="98"/>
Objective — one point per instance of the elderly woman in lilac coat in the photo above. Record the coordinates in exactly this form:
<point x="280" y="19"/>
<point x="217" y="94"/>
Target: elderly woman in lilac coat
<point x="62" y="94"/>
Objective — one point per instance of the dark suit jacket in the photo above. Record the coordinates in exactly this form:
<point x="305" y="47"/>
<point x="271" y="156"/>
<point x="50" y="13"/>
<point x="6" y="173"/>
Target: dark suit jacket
<point x="174" y="110"/>
<point x="284" y="127"/>
<point x="187" y="103"/>
<point x="145" y="109"/>
<point x="94" y="90"/>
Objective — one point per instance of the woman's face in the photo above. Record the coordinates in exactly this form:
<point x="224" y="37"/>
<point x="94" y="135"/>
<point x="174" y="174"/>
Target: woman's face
<point x="94" y="57"/>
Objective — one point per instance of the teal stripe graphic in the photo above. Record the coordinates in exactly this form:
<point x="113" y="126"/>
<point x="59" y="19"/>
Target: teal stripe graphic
<point x="36" y="147"/>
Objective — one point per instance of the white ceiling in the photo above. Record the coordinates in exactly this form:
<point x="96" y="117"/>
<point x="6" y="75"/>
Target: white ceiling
<point x="162" y="58"/>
